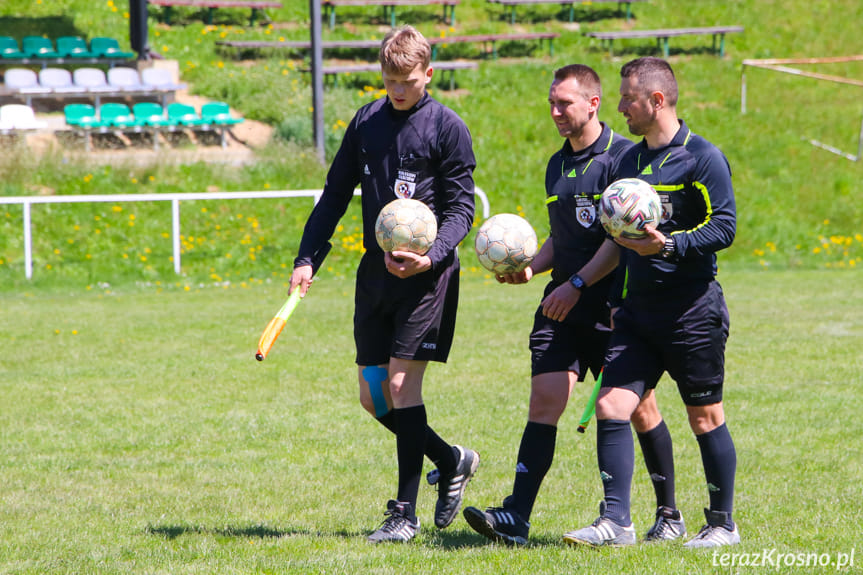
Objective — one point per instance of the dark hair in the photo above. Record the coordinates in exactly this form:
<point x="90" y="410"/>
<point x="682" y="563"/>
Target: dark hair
<point x="654" y="75"/>
<point x="587" y="78"/>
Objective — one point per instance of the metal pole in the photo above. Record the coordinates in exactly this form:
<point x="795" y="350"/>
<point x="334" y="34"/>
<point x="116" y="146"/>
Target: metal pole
<point x="317" y="78"/>
<point x="860" y="143"/>
<point x="138" y="37"/>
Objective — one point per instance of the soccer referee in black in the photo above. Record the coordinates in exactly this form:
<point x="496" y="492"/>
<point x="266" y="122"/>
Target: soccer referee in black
<point x="672" y="314"/>
<point x="405" y="145"/>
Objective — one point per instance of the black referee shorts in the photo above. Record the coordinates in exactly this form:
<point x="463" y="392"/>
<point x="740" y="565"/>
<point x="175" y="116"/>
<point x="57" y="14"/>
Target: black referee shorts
<point x="412" y="318"/>
<point x="566" y="346"/>
<point x="682" y="332"/>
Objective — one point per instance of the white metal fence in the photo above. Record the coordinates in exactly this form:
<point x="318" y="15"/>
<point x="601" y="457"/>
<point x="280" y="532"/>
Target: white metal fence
<point x="174" y="198"/>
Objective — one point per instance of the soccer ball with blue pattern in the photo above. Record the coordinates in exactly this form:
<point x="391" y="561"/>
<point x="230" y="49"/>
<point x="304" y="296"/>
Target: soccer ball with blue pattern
<point x="626" y="206"/>
<point x="406" y="225"/>
<point x="505" y="244"/>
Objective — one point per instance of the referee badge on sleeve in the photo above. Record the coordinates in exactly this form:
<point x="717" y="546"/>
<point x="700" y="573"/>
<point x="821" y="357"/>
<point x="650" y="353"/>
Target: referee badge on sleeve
<point x="585" y="211"/>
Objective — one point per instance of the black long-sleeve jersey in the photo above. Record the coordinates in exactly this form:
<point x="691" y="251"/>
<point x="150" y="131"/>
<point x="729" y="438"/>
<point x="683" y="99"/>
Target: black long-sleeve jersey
<point x="574" y="182"/>
<point x="424" y="153"/>
<point x="693" y="180"/>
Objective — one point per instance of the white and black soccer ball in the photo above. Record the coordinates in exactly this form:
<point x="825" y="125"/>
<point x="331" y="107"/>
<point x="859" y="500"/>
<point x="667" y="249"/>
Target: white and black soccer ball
<point x="626" y="206"/>
<point x="406" y="225"/>
<point x="505" y="243"/>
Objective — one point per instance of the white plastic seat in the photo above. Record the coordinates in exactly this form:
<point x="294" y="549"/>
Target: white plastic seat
<point x="20" y="117"/>
<point x="58" y="80"/>
<point x="160" y="79"/>
<point x="123" y="78"/>
<point x="92" y="80"/>
<point x="24" y="81"/>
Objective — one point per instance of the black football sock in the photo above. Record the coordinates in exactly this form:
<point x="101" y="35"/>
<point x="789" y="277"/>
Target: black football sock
<point x="410" y="445"/>
<point x="388" y="420"/>
<point x="441" y="453"/>
<point x="615" y="452"/>
<point x="659" y="460"/>
<point x="720" y="464"/>
<point x="534" y="460"/>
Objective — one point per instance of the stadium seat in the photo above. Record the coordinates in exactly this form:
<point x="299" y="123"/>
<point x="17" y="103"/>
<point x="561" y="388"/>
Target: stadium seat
<point x="152" y="117"/>
<point x="123" y="78"/>
<point x="73" y="47"/>
<point x="105" y="47"/>
<point x="117" y="115"/>
<point x="151" y="114"/>
<point x="219" y="114"/>
<point x="23" y="80"/>
<point x="91" y="79"/>
<point x="20" y="117"/>
<point x="160" y="79"/>
<point x="38" y="47"/>
<point x="81" y="116"/>
<point x="58" y="80"/>
<point x="9" y="48"/>
<point x="184" y="115"/>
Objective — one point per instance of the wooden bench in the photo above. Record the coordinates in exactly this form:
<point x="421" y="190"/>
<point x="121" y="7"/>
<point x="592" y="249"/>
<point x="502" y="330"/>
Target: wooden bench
<point x="389" y="8"/>
<point x="662" y="36"/>
<point x="493" y="39"/>
<point x="300" y="45"/>
<point x="449" y="66"/>
<point x="211" y="5"/>
<point x="305" y="45"/>
<point x="623" y="6"/>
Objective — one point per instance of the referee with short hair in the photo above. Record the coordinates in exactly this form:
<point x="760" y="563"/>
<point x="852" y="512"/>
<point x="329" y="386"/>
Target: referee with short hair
<point x="672" y="314"/>
<point x="405" y="145"/>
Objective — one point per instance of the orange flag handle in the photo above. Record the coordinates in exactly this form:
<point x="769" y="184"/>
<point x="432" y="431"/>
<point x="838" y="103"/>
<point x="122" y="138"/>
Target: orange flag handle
<point x="277" y="324"/>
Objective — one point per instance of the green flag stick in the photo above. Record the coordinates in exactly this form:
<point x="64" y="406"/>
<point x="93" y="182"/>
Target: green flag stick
<point x="590" y="408"/>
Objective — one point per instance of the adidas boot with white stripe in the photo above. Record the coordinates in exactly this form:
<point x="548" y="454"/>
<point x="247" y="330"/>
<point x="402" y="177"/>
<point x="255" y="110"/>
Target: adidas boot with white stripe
<point x="451" y="488"/>
<point x="603" y="531"/>
<point x="500" y="524"/>
<point x="400" y="525"/>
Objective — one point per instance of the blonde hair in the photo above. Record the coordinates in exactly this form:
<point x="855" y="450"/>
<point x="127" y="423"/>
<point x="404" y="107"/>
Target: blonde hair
<point x="404" y="48"/>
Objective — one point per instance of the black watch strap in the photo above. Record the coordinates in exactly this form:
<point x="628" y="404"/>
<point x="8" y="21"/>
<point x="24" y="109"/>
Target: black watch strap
<point x="577" y="282"/>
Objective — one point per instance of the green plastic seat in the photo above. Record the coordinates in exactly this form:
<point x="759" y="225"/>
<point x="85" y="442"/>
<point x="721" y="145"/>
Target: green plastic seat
<point x="183" y="115"/>
<point x="38" y="47"/>
<point x="73" y="47"/>
<point x="151" y="114"/>
<point x="81" y="116"/>
<point x="106" y="47"/>
<point x="117" y="115"/>
<point x="219" y="114"/>
<point x="9" y="48"/>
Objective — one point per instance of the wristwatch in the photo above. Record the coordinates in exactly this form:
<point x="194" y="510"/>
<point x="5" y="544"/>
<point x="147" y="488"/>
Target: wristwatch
<point x="577" y="282"/>
<point x="668" y="249"/>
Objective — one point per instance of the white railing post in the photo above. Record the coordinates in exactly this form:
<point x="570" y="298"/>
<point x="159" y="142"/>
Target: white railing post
<point x="28" y="243"/>
<point x="175" y="232"/>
